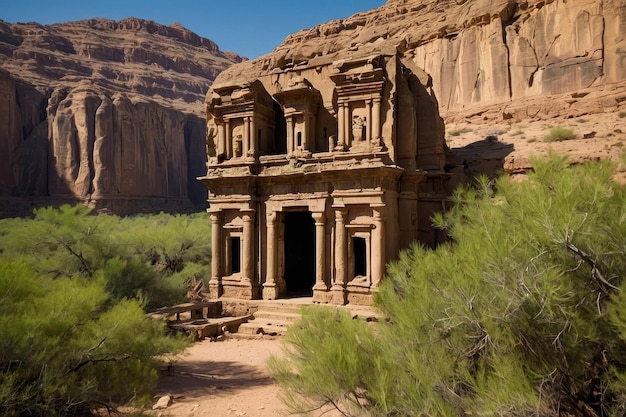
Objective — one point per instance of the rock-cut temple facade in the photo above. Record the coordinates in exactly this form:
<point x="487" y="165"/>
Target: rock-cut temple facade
<point x="318" y="176"/>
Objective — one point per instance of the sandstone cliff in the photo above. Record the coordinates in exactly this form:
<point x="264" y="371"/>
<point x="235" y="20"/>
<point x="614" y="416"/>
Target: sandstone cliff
<point x="503" y="72"/>
<point x="496" y="58"/>
<point x="105" y="112"/>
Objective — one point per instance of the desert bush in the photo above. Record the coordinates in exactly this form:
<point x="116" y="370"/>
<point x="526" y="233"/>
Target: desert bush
<point x="141" y="257"/>
<point x="66" y="349"/>
<point x="522" y="313"/>
<point x="558" y="134"/>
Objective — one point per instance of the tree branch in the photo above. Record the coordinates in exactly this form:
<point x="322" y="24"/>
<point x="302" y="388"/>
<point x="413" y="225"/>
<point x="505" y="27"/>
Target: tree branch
<point x="603" y="284"/>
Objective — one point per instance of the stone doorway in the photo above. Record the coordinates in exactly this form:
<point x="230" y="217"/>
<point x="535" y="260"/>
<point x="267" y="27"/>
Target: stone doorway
<point x="299" y="253"/>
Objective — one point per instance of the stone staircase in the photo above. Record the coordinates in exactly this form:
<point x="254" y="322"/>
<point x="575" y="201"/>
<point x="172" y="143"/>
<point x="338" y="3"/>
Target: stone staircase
<point x="244" y="319"/>
<point x="273" y="318"/>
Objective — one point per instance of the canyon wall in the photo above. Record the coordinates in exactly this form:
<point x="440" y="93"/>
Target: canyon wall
<point x="103" y="112"/>
<point x="491" y="59"/>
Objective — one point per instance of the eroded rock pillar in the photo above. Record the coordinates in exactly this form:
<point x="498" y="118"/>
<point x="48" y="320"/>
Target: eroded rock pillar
<point x="341" y="121"/>
<point x="320" y="287"/>
<point x="215" y="284"/>
<point x="378" y="245"/>
<point x="338" y="289"/>
<point x="270" y="287"/>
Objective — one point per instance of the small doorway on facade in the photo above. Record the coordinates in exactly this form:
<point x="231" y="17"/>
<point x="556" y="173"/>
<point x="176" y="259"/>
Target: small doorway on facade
<point x="299" y="253"/>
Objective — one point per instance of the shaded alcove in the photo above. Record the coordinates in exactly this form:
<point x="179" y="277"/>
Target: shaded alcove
<point x="299" y="252"/>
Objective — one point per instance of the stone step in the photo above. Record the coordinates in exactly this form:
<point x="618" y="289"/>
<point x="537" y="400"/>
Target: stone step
<point x="255" y="327"/>
<point x="276" y="316"/>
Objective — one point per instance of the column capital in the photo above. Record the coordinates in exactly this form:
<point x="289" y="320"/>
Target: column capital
<point x="340" y="211"/>
<point x="215" y="215"/>
<point x="271" y="217"/>
<point x="247" y="213"/>
<point x="379" y="211"/>
<point x="319" y="217"/>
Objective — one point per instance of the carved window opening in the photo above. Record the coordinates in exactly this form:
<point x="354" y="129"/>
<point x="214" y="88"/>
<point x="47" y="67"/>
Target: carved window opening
<point x="359" y="253"/>
<point x="235" y="254"/>
<point x="299" y="141"/>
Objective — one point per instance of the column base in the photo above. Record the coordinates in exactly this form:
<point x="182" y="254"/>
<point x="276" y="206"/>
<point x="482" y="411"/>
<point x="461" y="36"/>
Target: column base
<point x="339" y="296"/>
<point x="270" y="291"/>
<point x="215" y="289"/>
<point x="321" y="294"/>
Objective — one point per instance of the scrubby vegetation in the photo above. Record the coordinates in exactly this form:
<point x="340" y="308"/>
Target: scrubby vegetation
<point x="523" y="313"/>
<point x="558" y="134"/>
<point x="74" y="289"/>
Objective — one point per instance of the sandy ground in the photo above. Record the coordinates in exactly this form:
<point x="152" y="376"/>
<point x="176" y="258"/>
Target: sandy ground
<point x="223" y="378"/>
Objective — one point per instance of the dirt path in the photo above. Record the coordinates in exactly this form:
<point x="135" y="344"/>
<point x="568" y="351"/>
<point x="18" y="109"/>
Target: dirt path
<point x="223" y="378"/>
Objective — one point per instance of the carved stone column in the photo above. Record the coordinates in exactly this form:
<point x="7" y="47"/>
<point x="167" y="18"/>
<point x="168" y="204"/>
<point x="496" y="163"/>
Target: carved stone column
<point x="246" y="137"/>
<point x="368" y="122"/>
<point x="341" y="258"/>
<point x="305" y="133"/>
<point x="320" y="287"/>
<point x="347" y="125"/>
<point x="376" y="133"/>
<point x="248" y="257"/>
<point x="378" y="245"/>
<point x="341" y="121"/>
<point x="215" y="284"/>
<point x="228" y="150"/>
<point x="254" y="139"/>
<point x="290" y="144"/>
<point x="221" y="137"/>
<point x="271" y="289"/>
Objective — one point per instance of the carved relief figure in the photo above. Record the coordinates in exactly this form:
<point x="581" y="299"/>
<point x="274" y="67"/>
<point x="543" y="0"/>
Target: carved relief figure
<point x="358" y="127"/>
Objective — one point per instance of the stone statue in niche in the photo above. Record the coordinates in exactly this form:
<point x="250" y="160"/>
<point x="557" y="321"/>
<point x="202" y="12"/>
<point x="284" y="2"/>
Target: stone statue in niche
<point x="210" y="143"/>
<point x="358" y="127"/>
<point x="237" y="146"/>
<point x="331" y="143"/>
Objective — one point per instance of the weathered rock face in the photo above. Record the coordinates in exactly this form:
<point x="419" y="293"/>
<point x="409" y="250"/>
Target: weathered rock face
<point x="496" y="58"/>
<point x="105" y="111"/>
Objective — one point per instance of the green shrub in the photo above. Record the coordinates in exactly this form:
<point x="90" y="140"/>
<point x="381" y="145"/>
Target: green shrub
<point x="458" y="132"/>
<point x="65" y="349"/>
<point x="558" y="134"/>
<point x="522" y="313"/>
<point x="141" y="257"/>
<point x="622" y="114"/>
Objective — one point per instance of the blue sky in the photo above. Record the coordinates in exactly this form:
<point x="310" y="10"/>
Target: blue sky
<point x="248" y="27"/>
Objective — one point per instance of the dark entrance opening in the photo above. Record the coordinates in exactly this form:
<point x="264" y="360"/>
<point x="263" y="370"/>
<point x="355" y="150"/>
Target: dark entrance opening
<point x="360" y="256"/>
<point x="299" y="253"/>
<point x="235" y="254"/>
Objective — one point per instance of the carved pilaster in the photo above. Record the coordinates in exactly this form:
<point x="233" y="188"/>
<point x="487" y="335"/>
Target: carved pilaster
<point x="271" y="289"/>
<point x="376" y="133"/>
<point x="215" y="284"/>
<point x="341" y="258"/>
<point x="246" y="136"/>
<point x="378" y="245"/>
<point x="248" y="257"/>
<point x="320" y="257"/>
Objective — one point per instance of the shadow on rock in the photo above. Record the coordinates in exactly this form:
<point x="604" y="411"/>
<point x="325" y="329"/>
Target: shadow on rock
<point x="485" y="156"/>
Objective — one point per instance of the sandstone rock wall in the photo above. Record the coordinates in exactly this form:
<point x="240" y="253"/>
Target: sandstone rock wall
<point x="104" y="112"/>
<point x="481" y="55"/>
<point x="527" y="49"/>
